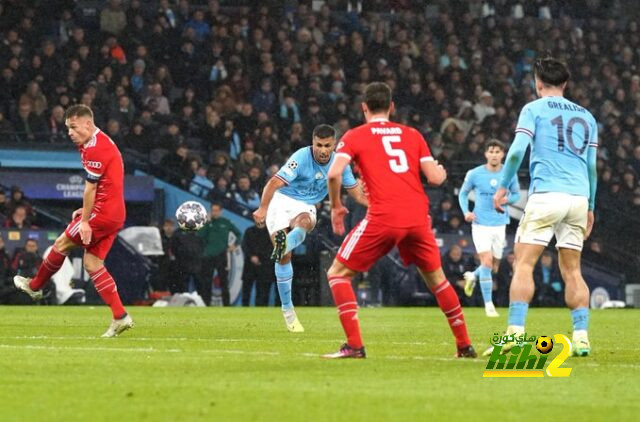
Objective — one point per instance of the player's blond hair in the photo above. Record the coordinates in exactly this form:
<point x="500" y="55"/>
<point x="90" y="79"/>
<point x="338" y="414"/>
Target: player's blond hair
<point x="78" y="110"/>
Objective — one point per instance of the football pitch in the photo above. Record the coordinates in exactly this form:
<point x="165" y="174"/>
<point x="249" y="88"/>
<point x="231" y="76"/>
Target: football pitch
<point x="224" y="364"/>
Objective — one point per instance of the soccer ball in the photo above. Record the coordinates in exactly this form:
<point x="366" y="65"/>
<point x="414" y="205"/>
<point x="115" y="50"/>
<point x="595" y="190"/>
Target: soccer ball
<point x="544" y="344"/>
<point x="191" y="216"/>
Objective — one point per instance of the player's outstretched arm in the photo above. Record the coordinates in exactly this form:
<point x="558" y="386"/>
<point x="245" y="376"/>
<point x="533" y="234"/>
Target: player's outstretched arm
<point x="88" y="199"/>
<point x="463" y="198"/>
<point x="514" y="191"/>
<point x="511" y="166"/>
<point x="434" y="172"/>
<point x="269" y="190"/>
<point x="334" y="182"/>
<point x="592" y="158"/>
<point x="357" y="193"/>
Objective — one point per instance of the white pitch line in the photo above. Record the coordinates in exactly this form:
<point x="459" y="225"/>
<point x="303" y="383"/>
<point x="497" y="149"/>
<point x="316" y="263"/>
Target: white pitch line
<point x="207" y="351"/>
<point x="249" y="353"/>
<point x="87" y="349"/>
<point x="220" y="340"/>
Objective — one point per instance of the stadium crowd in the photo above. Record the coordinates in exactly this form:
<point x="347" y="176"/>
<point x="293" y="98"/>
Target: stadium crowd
<point x="213" y="96"/>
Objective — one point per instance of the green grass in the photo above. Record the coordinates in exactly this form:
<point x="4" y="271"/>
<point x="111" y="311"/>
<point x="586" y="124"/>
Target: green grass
<point x="241" y="364"/>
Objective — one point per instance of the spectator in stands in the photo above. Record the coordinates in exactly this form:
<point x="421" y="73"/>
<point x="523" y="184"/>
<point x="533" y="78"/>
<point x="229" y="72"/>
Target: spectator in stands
<point x="166" y="263"/>
<point x="124" y="111"/>
<point x="443" y="214"/>
<point x="56" y="126"/>
<point x="264" y="100"/>
<point x="173" y="137"/>
<point x="5" y="265"/>
<point x="484" y="107"/>
<point x="155" y="99"/>
<point x="216" y="236"/>
<point x="112" y="18"/>
<point x="137" y="139"/>
<point x="9" y="295"/>
<point x="289" y="111"/>
<point x="6" y="127"/>
<point x="248" y="158"/>
<point x="454" y="226"/>
<point x="34" y="95"/>
<point x="258" y="268"/>
<point x="4" y="204"/>
<point x="548" y="282"/>
<point x="19" y="219"/>
<point x="28" y="125"/>
<point x="454" y="264"/>
<point x="201" y="185"/>
<point x="244" y="195"/>
<point x="221" y="191"/>
<point x="17" y="198"/>
<point x="27" y="260"/>
<point x="176" y="167"/>
<point x="198" y="25"/>
<point x="256" y="179"/>
<point x="213" y="133"/>
<point x="114" y="131"/>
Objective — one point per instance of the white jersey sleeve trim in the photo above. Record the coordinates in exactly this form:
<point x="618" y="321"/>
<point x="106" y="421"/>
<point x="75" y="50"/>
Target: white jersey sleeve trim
<point x="343" y="154"/>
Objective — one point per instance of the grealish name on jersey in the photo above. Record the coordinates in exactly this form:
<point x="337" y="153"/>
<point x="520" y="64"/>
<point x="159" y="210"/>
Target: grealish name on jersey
<point x="386" y="131"/>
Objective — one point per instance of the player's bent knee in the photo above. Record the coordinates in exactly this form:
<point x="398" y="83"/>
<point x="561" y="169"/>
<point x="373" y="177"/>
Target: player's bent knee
<point x="338" y="269"/>
<point x="63" y="243"/>
<point x="92" y="263"/>
<point x="304" y="221"/>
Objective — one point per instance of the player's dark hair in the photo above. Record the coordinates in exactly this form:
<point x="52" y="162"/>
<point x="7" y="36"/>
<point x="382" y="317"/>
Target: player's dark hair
<point x="324" y="131"/>
<point x="551" y="71"/>
<point x="78" y="110"/>
<point x="216" y="204"/>
<point x="377" y="97"/>
<point x="495" y="143"/>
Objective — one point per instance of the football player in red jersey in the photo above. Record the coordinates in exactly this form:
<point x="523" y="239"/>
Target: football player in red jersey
<point x="390" y="157"/>
<point x="95" y="225"/>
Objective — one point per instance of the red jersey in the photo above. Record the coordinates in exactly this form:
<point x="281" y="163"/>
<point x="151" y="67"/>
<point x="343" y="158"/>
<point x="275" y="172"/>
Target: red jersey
<point x="102" y="162"/>
<point x="389" y="155"/>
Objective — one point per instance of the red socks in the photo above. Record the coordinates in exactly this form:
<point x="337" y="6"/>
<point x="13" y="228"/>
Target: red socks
<point x="106" y="288"/>
<point x="345" y="300"/>
<point x="450" y="305"/>
<point x="50" y="265"/>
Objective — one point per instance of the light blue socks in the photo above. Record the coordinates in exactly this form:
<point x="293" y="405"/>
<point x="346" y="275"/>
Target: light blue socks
<point x="486" y="283"/>
<point x="518" y="313"/>
<point x="295" y="237"/>
<point x="284" y="277"/>
<point x="580" y="317"/>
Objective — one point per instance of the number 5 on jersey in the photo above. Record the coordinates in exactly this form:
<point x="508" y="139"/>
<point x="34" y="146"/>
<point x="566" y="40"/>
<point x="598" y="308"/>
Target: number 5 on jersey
<point x="399" y="163"/>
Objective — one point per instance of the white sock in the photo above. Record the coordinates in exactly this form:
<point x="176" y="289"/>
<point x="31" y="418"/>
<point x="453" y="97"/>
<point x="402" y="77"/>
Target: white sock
<point x="515" y="329"/>
<point x="579" y="333"/>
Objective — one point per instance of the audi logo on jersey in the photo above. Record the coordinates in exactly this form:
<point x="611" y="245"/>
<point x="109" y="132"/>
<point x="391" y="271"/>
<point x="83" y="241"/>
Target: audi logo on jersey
<point x="93" y="164"/>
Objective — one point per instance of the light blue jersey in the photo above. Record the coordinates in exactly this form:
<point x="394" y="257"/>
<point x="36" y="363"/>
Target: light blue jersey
<point x="485" y="183"/>
<point x="306" y="179"/>
<point x="563" y="137"/>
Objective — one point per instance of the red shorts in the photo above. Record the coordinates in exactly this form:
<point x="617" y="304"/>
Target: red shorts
<point x="103" y="234"/>
<point x="370" y="240"/>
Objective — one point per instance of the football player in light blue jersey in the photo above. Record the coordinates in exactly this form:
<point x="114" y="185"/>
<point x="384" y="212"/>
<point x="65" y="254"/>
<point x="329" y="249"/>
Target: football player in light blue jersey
<point x="563" y="137"/>
<point x="288" y="207"/>
<point x="488" y="225"/>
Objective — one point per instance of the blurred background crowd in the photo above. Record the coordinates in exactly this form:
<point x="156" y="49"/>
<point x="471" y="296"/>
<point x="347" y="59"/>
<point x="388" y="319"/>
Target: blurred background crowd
<point x="213" y="96"/>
